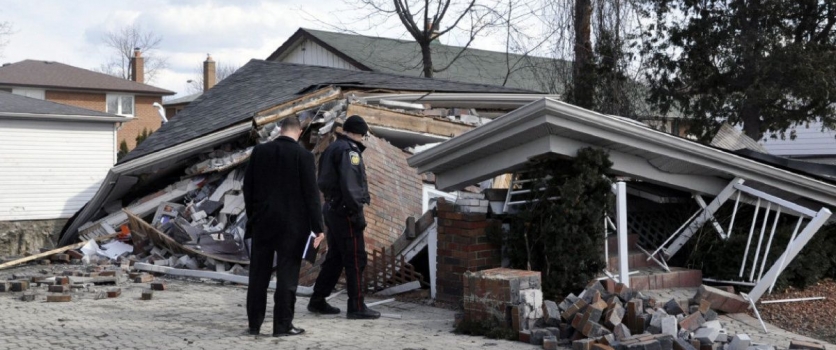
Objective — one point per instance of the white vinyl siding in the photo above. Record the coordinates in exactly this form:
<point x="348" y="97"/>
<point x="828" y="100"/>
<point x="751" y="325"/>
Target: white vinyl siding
<point x="312" y="54"/>
<point x="33" y="93"/>
<point x="809" y="141"/>
<point x="50" y="169"/>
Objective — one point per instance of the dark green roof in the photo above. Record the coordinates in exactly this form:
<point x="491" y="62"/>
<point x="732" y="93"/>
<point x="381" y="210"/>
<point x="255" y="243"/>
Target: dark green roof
<point x="404" y="57"/>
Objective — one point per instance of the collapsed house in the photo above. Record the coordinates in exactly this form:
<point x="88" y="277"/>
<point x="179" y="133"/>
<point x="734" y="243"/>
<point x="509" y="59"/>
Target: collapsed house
<point x="180" y="189"/>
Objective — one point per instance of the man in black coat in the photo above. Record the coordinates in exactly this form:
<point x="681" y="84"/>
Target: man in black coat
<point x="283" y="208"/>
<point x="342" y="180"/>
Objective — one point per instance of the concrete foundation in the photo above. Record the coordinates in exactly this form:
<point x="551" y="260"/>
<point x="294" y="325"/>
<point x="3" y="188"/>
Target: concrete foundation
<point x="19" y="237"/>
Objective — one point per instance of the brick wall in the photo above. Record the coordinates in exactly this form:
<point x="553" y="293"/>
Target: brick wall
<point x="94" y="101"/>
<point x="146" y="115"/>
<point x="462" y="246"/>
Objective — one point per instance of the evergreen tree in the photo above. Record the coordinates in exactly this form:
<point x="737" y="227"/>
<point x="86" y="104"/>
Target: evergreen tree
<point x="764" y="64"/>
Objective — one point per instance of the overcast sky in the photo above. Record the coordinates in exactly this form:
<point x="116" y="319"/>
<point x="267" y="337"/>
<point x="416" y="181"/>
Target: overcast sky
<point x="232" y="31"/>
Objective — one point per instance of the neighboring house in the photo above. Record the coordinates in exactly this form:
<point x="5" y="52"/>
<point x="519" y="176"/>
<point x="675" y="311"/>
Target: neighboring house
<point x="173" y="106"/>
<point x="812" y="143"/>
<point x="366" y="53"/>
<point x="65" y="84"/>
<point x="53" y="157"/>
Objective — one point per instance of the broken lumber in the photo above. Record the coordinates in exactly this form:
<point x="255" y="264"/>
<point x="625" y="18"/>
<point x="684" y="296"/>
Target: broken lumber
<point x="221" y="276"/>
<point x="294" y="106"/>
<point x="402" y="288"/>
<point x="379" y="116"/>
<point x="52" y="252"/>
<point x="380" y="302"/>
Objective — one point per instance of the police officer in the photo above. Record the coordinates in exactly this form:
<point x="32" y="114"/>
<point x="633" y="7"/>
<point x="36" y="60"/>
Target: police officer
<point x="342" y="180"/>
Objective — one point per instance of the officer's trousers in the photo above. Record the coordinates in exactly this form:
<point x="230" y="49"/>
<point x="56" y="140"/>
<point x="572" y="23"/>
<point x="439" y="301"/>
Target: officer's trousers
<point x="346" y="250"/>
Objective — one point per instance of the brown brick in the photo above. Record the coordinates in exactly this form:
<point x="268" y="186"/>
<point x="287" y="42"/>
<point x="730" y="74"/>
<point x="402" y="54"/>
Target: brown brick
<point x="59" y="288"/>
<point x="598" y="346"/>
<point x="114" y="292"/>
<point x="583" y="344"/>
<point x="705" y="305"/>
<point x="65" y="258"/>
<point x="62" y="280"/>
<point x="722" y="300"/>
<point x="19" y="286"/>
<point x="59" y="298"/>
<point x="143" y="278"/>
<point x="74" y="254"/>
<point x="692" y="322"/>
<point x="578" y="306"/>
<point x="525" y="337"/>
<point x="147" y="294"/>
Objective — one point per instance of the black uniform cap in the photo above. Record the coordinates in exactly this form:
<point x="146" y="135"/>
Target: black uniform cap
<point x="355" y="124"/>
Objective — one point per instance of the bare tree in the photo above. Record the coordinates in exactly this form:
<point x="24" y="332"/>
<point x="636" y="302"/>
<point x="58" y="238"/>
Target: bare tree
<point x="222" y="71"/>
<point x="122" y="43"/>
<point x="427" y="20"/>
<point x="6" y="31"/>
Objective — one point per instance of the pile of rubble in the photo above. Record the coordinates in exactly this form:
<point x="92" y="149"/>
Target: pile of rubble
<point x="624" y="319"/>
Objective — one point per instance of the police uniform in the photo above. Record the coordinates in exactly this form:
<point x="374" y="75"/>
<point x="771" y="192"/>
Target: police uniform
<point x="342" y="180"/>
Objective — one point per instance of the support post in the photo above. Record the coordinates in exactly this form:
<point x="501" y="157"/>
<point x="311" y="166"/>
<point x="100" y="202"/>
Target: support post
<point x="621" y="216"/>
<point x="714" y="222"/>
<point x="432" y="254"/>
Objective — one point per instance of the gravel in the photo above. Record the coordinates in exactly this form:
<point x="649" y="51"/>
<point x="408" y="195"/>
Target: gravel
<point x="815" y="319"/>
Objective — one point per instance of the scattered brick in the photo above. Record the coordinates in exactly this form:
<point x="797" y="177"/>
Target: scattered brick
<point x="599" y="346"/>
<point x="5" y="286"/>
<point x="59" y="298"/>
<point x="59" y="288"/>
<point x="579" y="306"/>
<point x="582" y="344"/>
<point x="74" y="254"/>
<point x="44" y="262"/>
<point x="28" y="297"/>
<point x="147" y="294"/>
<point x="64" y="258"/>
<point x="19" y="286"/>
<point x="682" y="344"/>
<point x="158" y="286"/>
<point x="143" y="278"/>
<point x="704" y="306"/>
<point x="550" y="343"/>
<point x="114" y="292"/>
<point x="62" y="280"/>
<point x="722" y="300"/>
<point x="108" y="273"/>
<point x="692" y="322"/>
<point x="525" y="337"/>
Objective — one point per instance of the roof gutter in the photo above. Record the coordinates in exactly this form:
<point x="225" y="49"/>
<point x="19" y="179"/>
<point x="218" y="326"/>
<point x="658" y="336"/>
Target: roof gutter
<point x="114" y="118"/>
<point x="613" y="129"/>
<point x="475" y="100"/>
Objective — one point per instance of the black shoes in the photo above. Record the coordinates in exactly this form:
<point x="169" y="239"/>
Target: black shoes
<point x="364" y="314"/>
<point x="320" y="306"/>
<point x="292" y="331"/>
<point x="253" y="331"/>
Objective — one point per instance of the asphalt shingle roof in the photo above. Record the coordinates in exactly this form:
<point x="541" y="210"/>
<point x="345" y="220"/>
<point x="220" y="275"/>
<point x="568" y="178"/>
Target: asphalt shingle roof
<point x="10" y="103"/>
<point x="49" y="74"/>
<point x="261" y="84"/>
<point x="473" y="66"/>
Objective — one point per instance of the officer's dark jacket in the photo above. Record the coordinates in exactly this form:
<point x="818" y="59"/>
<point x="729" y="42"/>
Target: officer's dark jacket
<point x="342" y="175"/>
<point x="280" y="195"/>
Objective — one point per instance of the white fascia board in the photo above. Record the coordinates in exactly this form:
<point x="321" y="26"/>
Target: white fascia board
<point x="70" y="117"/>
<point x="614" y="130"/>
<point x="462" y="100"/>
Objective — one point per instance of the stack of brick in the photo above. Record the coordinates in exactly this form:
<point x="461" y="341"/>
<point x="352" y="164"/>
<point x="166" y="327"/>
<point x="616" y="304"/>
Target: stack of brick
<point x="628" y="320"/>
<point x="506" y="298"/>
<point x="463" y="246"/>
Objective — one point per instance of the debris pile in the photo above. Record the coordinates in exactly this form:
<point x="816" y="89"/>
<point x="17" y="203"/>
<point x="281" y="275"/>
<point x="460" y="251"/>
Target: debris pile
<point x="625" y="319"/>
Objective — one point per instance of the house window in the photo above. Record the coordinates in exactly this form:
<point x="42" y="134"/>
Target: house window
<point x="120" y="104"/>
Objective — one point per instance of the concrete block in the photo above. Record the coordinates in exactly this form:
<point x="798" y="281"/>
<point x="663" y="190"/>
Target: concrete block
<point x="614" y="316"/>
<point x="682" y="344"/>
<point x="713" y="324"/>
<point x="537" y="336"/>
<point x="550" y="343"/>
<point x="707" y="335"/>
<point x="672" y="307"/>
<point x="669" y="326"/>
<point x="740" y="342"/>
<point x="28" y="297"/>
<point x="567" y="302"/>
<point x="656" y="318"/>
<point x="621" y="331"/>
<point x="722" y="300"/>
<point x="143" y="278"/>
<point x="550" y="310"/>
<point x="594" y="330"/>
<point x="711" y="315"/>
<point x="582" y="344"/>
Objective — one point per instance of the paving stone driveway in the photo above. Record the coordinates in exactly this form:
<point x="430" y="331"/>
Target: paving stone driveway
<point x="208" y="315"/>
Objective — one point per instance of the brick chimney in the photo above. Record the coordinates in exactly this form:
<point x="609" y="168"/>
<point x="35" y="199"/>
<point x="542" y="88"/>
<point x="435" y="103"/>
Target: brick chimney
<point x="208" y="73"/>
<point x="137" y="67"/>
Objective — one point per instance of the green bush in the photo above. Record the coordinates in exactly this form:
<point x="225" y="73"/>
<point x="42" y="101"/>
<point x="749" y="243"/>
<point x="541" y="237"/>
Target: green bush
<point x="560" y="234"/>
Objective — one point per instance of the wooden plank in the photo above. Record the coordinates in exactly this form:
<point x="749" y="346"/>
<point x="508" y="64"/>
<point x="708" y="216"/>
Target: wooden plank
<point x="297" y="105"/>
<point x="52" y="252"/>
<point x="401" y="288"/>
<point x="221" y="276"/>
<point x="378" y="116"/>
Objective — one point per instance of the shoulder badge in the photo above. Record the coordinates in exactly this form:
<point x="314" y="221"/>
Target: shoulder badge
<point x="355" y="158"/>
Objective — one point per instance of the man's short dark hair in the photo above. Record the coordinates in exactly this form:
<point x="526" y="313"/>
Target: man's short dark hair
<point x="291" y="123"/>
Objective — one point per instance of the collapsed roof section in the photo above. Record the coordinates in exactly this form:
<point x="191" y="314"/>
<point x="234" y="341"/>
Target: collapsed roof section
<point x="247" y="105"/>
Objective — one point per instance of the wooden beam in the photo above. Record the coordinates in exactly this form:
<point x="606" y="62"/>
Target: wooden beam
<point x="53" y="252"/>
<point x="383" y="117"/>
<point x="297" y="105"/>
